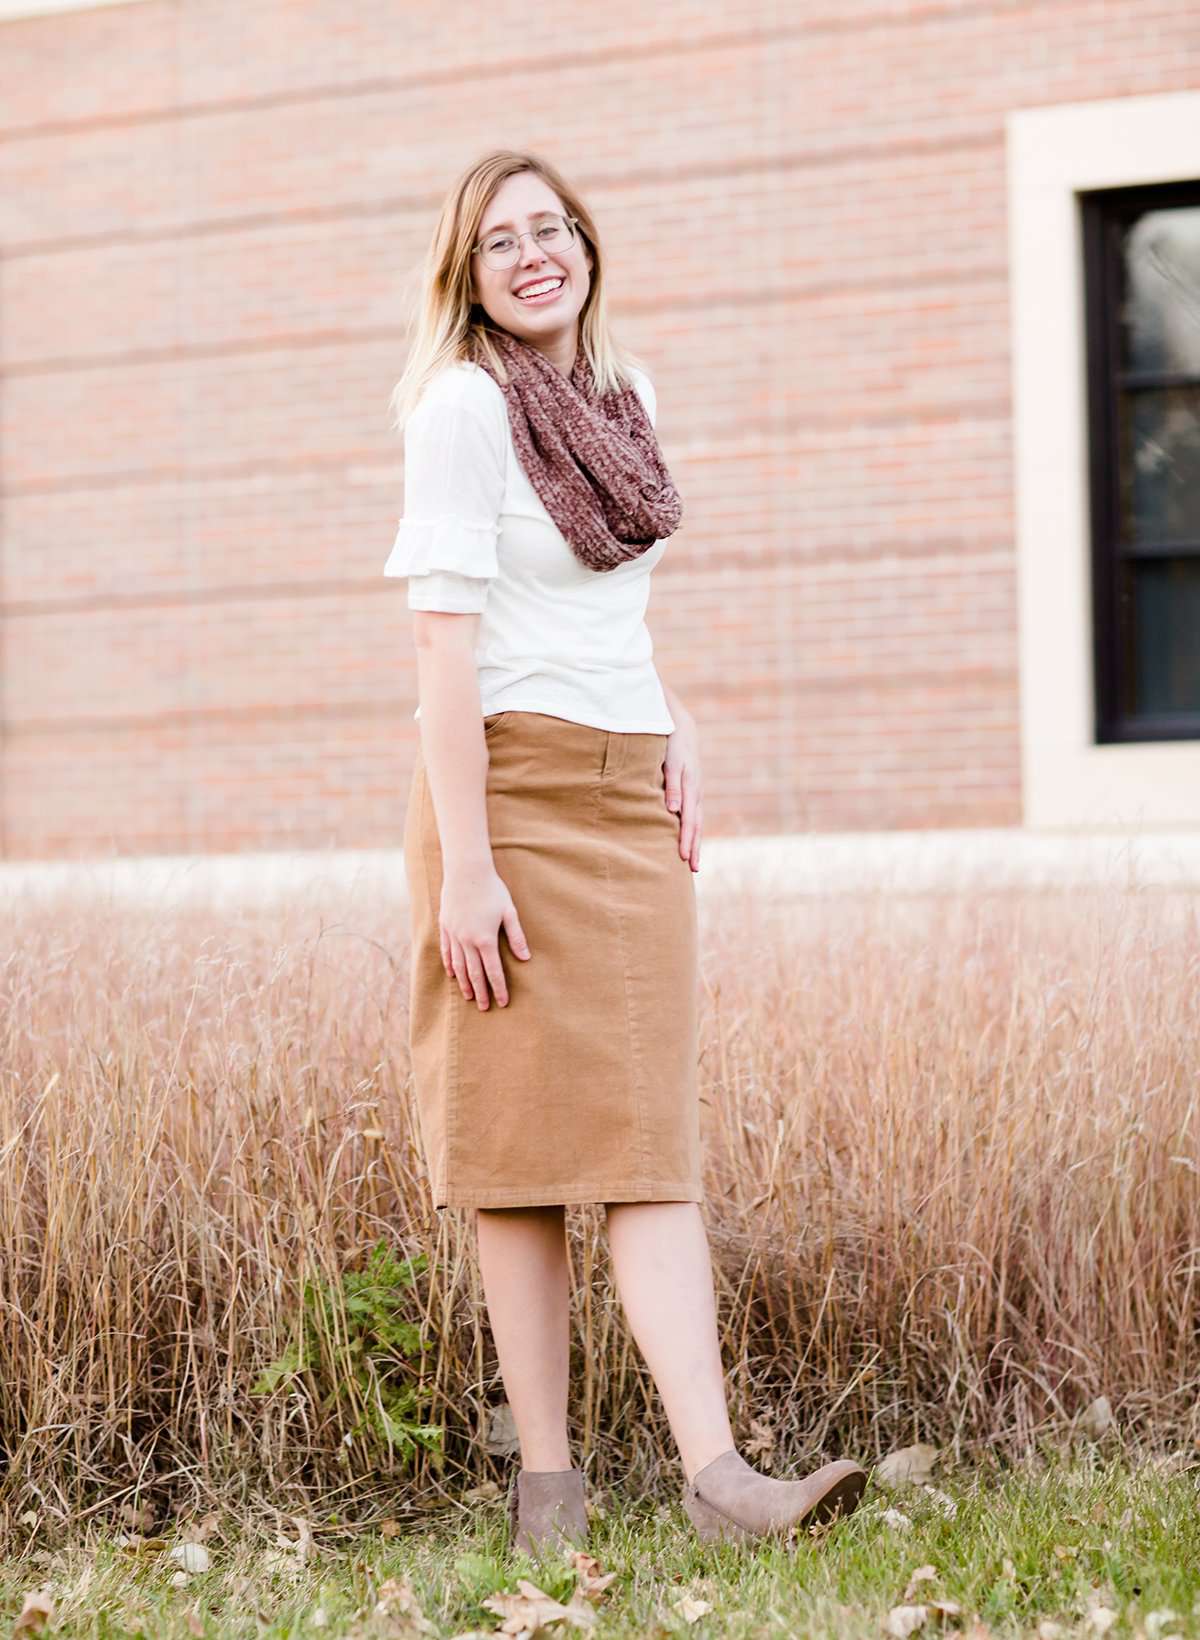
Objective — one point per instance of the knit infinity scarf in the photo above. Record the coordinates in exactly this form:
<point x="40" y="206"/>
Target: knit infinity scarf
<point x="593" y="459"/>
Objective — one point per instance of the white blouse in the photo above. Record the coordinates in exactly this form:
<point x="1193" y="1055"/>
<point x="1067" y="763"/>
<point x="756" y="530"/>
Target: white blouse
<point x="554" y="636"/>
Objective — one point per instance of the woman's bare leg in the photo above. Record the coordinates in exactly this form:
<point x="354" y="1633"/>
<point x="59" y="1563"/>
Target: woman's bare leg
<point x="663" y="1270"/>
<point x="523" y="1263"/>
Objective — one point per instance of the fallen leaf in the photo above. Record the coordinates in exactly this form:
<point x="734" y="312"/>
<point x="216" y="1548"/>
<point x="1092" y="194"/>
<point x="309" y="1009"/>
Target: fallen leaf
<point x="923" y="1574"/>
<point x="500" y="1435"/>
<point x="761" y="1443"/>
<point x="282" y="1562"/>
<point x="1157" y="1621"/>
<point x="1010" y="1571"/>
<point x="532" y="1608"/>
<point x="1065" y="1551"/>
<point x="37" y="1610"/>
<point x="193" y="1557"/>
<point x="893" y="1518"/>
<point x="943" y="1500"/>
<point x="1100" y="1619"/>
<point x="396" y="1595"/>
<point x="1097" y="1417"/>
<point x="690" y="1608"/>
<point x="592" y="1583"/>
<point x="483" y="1493"/>
<point x="912" y="1464"/>
<point x="302" y="1546"/>
<point x="904" y="1620"/>
<point x="391" y="1528"/>
<point x="1048" y="1629"/>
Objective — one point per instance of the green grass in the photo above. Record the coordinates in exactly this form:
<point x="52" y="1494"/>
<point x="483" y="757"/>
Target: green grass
<point x="1043" y="1543"/>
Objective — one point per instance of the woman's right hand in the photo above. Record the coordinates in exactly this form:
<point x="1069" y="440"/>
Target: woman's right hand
<point x="475" y="905"/>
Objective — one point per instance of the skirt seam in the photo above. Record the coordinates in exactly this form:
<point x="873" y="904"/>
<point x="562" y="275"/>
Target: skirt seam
<point x="635" y="1047"/>
<point x="450" y="1047"/>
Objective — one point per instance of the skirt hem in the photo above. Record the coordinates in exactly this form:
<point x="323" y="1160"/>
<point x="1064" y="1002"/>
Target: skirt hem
<point x="565" y="1196"/>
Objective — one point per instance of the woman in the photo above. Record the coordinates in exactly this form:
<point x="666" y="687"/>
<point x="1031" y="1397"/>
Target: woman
<point x="557" y="797"/>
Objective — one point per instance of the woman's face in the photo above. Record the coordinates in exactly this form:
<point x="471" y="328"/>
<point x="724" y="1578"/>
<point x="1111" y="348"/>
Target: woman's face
<point x="550" y="323"/>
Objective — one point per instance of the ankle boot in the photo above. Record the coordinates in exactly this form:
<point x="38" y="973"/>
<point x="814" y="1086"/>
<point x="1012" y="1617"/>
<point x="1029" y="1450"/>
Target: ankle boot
<point x="546" y="1510"/>
<point x="727" y="1499"/>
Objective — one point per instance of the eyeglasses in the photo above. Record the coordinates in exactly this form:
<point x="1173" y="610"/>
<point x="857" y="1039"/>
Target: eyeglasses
<point x="502" y="249"/>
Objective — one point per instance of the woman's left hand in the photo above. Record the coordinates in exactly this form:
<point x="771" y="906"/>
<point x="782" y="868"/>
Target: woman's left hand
<point x="683" y="787"/>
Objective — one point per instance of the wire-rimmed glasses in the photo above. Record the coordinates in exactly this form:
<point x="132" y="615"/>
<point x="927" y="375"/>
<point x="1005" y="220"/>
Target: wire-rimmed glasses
<point x="502" y="248"/>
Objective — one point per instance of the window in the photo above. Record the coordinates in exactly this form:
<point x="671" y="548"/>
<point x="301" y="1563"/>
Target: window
<point x="1142" y="257"/>
<point x="1104" y="264"/>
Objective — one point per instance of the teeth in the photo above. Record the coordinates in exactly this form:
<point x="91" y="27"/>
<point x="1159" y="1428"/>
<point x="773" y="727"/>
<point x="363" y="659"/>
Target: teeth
<point x="537" y="290"/>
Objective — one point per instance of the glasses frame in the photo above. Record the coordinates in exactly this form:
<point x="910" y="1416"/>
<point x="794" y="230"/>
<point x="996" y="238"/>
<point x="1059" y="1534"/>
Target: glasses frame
<point x="477" y="250"/>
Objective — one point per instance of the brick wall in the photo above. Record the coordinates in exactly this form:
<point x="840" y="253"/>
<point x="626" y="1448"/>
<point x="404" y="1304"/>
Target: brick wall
<point x="208" y="212"/>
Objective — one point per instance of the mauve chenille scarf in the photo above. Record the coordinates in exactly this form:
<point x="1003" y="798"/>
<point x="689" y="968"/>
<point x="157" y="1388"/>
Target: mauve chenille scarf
<point x="593" y="459"/>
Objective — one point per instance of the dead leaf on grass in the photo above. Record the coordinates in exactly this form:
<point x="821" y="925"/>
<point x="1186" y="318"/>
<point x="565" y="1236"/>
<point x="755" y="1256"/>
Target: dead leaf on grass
<point x="923" y="1574"/>
<point x="192" y="1557"/>
<point x="908" y="1464"/>
<point x="905" y="1620"/>
<point x="1097" y="1417"/>
<point x="761" y="1442"/>
<point x="500" y="1436"/>
<point x="37" y="1610"/>
<point x="592" y="1582"/>
<point x="396" y="1597"/>
<point x="532" y="1608"/>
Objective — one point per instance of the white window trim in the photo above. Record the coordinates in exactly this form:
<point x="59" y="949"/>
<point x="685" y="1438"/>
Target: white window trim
<point x="1067" y="779"/>
<point x="35" y="8"/>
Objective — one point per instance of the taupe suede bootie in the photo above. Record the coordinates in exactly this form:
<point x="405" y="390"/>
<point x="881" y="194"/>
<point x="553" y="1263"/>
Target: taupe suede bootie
<point x="728" y="1499"/>
<point x="547" y="1511"/>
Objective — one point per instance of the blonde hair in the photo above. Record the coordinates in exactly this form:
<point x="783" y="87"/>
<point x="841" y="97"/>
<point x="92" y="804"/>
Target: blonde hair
<point x="447" y="324"/>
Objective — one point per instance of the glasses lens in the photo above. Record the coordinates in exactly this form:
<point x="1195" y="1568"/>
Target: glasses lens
<point x="501" y="250"/>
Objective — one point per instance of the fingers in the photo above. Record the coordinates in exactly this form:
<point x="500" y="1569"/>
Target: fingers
<point x="511" y="924"/>
<point x="682" y="795"/>
<point x="479" y="971"/>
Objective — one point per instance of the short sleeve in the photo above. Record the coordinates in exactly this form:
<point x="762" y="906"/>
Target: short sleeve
<point x="453" y="492"/>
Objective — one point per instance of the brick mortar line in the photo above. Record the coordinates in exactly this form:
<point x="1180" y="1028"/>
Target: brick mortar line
<point x="758" y="164"/>
<point x="780" y="570"/>
<point x="885" y="20"/>
<point x="288" y="341"/>
<point x="185" y="717"/>
<point x="990" y="412"/>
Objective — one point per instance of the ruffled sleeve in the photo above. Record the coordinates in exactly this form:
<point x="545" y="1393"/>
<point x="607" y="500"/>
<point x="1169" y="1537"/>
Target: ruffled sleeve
<point x="445" y="545"/>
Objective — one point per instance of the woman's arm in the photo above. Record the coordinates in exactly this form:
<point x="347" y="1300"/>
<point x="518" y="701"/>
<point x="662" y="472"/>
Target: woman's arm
<point x="446" y="548"/>
<point x="452" y="740"/>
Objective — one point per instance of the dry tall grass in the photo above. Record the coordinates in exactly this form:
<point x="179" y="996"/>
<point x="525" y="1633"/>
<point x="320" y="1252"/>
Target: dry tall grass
<point x="952" y="1166"/>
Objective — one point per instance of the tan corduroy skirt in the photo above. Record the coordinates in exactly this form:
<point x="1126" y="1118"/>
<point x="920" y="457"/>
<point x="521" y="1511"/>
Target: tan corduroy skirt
<point x="584" y="1088"/>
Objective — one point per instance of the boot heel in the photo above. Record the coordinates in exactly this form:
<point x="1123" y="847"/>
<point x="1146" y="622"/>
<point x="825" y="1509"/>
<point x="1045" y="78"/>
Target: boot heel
<point x="712" y="1526"/>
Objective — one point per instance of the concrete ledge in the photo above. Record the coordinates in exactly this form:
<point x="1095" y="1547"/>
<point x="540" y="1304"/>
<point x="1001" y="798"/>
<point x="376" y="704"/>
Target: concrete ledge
<point x="905" y="862"/>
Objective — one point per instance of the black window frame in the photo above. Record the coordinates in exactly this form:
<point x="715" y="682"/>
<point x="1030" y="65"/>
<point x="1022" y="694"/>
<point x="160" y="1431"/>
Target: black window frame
<point x="1105" y="215"/>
